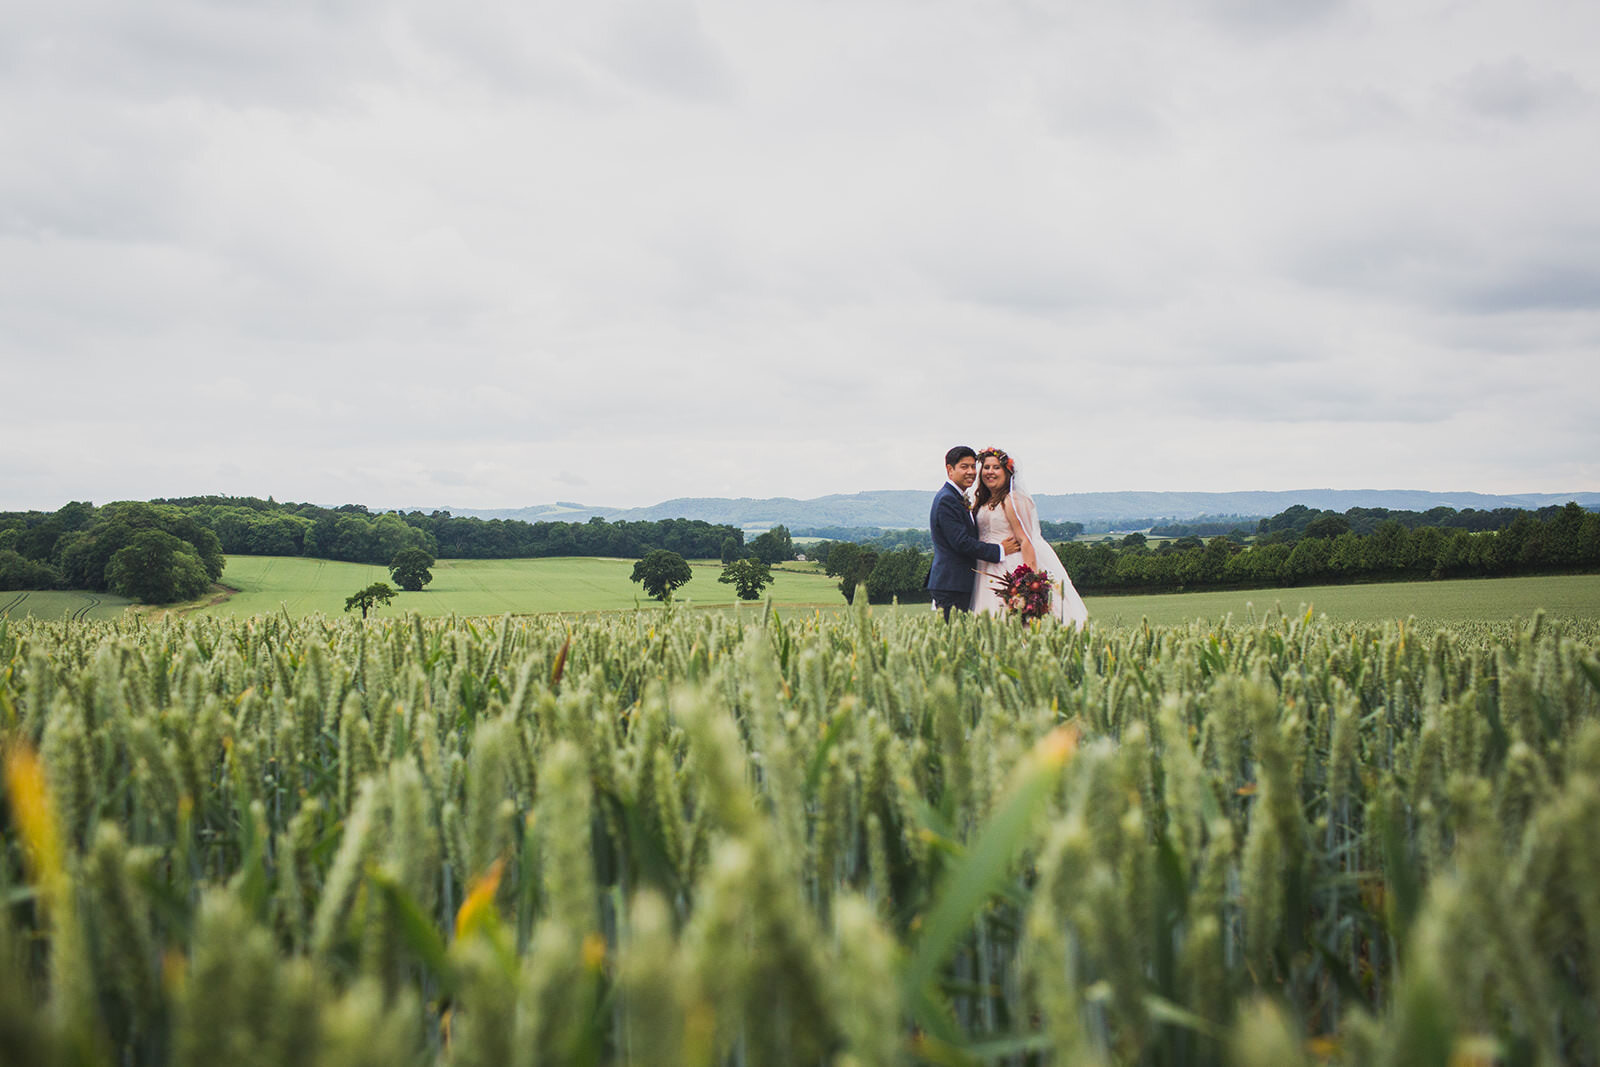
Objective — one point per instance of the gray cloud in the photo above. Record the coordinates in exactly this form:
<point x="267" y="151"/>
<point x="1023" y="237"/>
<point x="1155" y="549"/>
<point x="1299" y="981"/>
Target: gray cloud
<point x="385" y="253"/>
<point x="1512" y="90"/>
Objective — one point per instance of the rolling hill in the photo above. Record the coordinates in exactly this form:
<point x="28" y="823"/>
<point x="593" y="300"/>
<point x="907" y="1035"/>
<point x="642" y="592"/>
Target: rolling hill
<point x="909" y="507"/>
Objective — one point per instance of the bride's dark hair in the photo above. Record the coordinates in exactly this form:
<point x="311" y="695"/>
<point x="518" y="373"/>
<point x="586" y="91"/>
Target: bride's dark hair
<point x="983" y="495"/>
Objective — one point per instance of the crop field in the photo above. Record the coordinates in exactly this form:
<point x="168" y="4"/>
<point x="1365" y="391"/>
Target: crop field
<point x="1445" y="603"/>
<point x="864" y="837"/>
<point x="486" y="587"/>
<point x="59" y="604"/>
<point x="575" y="585"/>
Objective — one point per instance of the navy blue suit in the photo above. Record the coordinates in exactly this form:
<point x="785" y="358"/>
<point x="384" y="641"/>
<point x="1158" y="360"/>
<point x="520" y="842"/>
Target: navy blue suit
<point x="955" y="549"/>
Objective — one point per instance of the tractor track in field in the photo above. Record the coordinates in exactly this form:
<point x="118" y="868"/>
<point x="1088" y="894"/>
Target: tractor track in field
<point x="83" y="613"/>
<point x="5" y="609"/>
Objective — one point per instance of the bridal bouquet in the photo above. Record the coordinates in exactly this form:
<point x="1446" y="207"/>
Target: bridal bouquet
<point x="1026" y="592"/>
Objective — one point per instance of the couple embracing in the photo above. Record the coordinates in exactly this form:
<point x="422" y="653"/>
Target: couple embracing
<point x="977" y="543"/>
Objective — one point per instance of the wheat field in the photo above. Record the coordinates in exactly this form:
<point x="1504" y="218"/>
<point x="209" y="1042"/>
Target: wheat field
<point x="674" y="837"/>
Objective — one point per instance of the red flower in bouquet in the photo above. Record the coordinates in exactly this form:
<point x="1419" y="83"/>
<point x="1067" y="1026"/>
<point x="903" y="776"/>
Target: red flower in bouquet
<point x="1026" y="592"/>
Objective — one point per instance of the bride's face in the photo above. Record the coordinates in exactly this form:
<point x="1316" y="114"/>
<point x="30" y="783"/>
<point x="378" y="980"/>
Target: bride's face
<point x="994" y="473"/>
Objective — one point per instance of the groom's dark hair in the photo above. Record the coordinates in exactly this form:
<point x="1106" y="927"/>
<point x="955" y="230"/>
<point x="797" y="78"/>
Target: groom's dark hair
<point x="957" y="454"/>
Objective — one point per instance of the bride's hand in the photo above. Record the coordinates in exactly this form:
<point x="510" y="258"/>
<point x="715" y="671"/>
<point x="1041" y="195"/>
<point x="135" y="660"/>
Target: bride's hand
<point x="1029" y="557"/>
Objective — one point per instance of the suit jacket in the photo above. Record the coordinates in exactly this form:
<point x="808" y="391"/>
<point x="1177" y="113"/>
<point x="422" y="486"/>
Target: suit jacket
<point x="955" y="542"/>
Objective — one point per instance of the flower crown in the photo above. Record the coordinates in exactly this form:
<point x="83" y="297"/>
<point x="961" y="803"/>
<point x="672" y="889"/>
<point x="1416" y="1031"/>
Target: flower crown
<point x="1000" y="454"/>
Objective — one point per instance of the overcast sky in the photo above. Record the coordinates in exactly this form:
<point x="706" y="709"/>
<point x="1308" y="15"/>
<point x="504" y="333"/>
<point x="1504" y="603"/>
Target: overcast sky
<point x="491" y="255"/>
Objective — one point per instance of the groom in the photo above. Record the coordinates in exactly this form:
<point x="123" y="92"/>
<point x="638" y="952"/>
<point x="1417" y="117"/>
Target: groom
<point x="956" y="547"/>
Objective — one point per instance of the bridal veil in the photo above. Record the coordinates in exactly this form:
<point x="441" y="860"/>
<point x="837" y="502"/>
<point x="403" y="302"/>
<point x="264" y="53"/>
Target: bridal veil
<point x="1068" y="606"/>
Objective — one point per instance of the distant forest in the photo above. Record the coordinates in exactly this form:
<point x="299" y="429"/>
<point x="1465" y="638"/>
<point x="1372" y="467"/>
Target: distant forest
<point x="1299" y="546"/>
<point x="166" y="550"/>
<point x="1305" y="546"/>
<point x="887" y="540"/>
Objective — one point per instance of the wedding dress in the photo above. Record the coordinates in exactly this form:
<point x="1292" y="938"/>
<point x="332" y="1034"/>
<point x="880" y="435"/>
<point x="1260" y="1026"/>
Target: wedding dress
<point x="994" y="525"/>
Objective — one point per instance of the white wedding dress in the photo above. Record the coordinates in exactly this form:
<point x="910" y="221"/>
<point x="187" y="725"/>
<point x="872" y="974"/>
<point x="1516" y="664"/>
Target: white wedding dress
<point x="995" y="526"/>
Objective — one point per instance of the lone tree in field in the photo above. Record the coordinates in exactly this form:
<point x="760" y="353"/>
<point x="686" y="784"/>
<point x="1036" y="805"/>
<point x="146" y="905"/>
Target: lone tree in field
<point x="370" y="597"/>
<point x="409" y="569"/>
<point x="748" y="577"/>
<point x="662" y="572"/>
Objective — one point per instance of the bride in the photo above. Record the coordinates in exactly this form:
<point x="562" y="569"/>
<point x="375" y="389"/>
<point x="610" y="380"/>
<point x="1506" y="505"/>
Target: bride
<point x="1004" y="509"/>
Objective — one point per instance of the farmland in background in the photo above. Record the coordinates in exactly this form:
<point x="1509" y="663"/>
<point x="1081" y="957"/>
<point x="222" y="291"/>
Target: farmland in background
<point x="1447" y="603"/>
<point x="62" y="604"/>
<point x="574" y="584"/>
<point x="486" y="587"/>
<point x="271" y="584"/>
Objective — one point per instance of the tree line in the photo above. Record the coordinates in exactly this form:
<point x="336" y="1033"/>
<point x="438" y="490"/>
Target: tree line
<point x="1291" y="523"/>
<point x="1300" y="546"/>
<point x="167" y="550"/>
<point x="1305" y="547"/>
<point x="250" y="526"/>
<point x="881" y="540"/>
<point x="162" y="551"/>
<point x="150" y="552"/>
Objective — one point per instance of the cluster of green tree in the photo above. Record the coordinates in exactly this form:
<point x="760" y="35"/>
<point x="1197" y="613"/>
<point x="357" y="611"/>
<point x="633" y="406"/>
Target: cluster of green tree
<point x="773" y="546"/>
<point x="876" y="538"/>
<point x="150" y="552"/>
<point x="1104" y="526"/>
<point x="898" y="574"/>
<point x="250" y="526"/>
<point x="1299" y="521"/>
<point x="880" y="540"/>
<point x="1240" y="526"/>
<point x="663" y="573"/>
<point x="410" y="569"/>
<point x="1553" y="540"/>
<point x="1060" y="531"/>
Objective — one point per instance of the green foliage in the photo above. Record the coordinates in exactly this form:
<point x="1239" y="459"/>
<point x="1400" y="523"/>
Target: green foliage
<point x="869" y="838"/>
<point x="748" y="577"/>
<point x="374" y="595"/>
<point x="410" y="569"/>
<point x="481" y="587"/>
<point x="351" y="533"/>
<point x="662" y="573"/>
<point x="900" y="575"/>
<point x="774" y="546"/>
<point x="851" y="564"/>
<point x="1327" y="526"/>
<point x="74" y="548"/>
<point x="1303" y="546"/>
<point x="19" y="572"/>
<point x="157" y="568"/>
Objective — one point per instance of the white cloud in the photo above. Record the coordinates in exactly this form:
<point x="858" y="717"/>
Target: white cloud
<point x="633" y="250"/>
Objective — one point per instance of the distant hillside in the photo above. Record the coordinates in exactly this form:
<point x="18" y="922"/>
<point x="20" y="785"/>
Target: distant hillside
<point x="909" y="507"/>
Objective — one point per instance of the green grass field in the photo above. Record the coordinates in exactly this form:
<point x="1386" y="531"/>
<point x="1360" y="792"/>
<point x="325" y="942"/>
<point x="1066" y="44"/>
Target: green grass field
<point x="1444" y="603"/>
<point x="58" y="604"/>
<point x="580" y="585"/>
<point x="487" y="587"/>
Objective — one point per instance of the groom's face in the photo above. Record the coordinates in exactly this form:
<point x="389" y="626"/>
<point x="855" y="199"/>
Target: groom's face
<point x="963" y="473"/>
